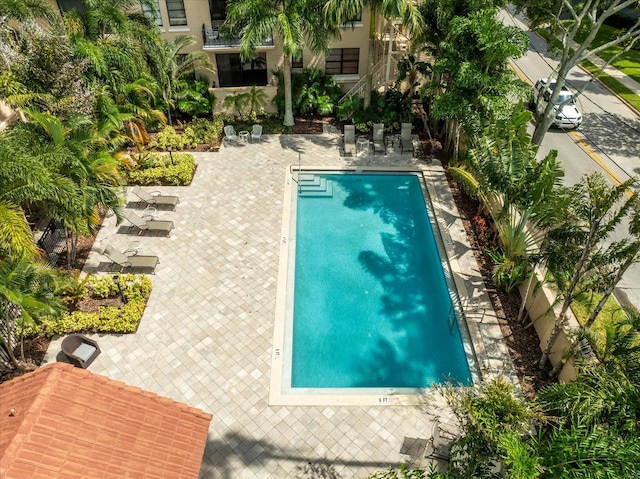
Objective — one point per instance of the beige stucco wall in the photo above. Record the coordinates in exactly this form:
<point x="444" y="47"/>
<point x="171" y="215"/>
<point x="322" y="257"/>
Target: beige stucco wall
<point x="197" y="11"/>
<point x="543" y="314"/>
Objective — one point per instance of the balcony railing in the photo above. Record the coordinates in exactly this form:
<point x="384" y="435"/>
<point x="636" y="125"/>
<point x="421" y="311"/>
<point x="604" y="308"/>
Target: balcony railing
<point x="211" y="38"/>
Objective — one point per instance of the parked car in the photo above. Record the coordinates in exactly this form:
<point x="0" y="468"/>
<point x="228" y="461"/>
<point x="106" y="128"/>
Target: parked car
<point x="567" y="114"/>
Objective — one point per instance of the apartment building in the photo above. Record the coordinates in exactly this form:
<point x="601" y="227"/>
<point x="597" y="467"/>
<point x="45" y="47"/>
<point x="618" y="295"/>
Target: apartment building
<point x="347" y="60"/>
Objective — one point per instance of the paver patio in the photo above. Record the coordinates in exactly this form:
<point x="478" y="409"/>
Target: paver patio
<point x="205" y="338"/>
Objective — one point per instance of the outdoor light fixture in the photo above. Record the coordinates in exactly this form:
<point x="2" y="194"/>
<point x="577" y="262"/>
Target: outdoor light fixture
<point x="116" y="279"/>
<point x="170" y="150"/>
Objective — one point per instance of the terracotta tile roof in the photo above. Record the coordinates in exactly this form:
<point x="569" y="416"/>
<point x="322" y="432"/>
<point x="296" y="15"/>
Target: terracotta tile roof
<point x="61" y="421"/>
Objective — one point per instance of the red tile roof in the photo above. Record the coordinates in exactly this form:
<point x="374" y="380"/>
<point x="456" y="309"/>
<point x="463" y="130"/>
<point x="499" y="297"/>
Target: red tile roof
<point x="60" y="421"/>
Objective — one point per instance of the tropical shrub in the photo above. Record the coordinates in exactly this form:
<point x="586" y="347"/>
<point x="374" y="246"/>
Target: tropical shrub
<point x="162" y="169"/>
<point x="207" y="131"/>
<point x="169" y="137"/>
<point x="391" y="108"/>
<point x="111" y="319"/>
<point x="195" y="98"/>
<point x="312" y="92"/>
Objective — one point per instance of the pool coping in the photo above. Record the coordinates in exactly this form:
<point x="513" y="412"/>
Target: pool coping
<point x="482" y="329"/>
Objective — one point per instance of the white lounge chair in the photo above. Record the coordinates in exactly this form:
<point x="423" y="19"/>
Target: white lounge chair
<point x="131" y="262"/>
<point x="256" y="133"/>
<point x="147" y="224"/>
<point x="155" y="198"/>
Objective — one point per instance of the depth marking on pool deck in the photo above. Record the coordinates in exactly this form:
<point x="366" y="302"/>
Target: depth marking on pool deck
<point x="483" y="338"/>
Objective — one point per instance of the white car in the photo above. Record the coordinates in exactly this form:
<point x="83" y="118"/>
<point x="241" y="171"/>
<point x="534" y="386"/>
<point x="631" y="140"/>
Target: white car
<point x="567" y="114"/>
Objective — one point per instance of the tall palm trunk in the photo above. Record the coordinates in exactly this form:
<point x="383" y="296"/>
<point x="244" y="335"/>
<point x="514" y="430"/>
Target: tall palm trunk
<point x="288" y="101"/>
<point x="372" y="58"/>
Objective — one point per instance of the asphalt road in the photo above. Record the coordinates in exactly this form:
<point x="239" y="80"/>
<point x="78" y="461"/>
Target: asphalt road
<point x="608" y="140"/>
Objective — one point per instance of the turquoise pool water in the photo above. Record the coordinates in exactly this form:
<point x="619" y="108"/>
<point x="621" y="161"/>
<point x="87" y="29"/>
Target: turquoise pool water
<point x="371" y="305"/>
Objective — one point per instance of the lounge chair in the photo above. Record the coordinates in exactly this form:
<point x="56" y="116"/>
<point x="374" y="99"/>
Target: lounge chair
<point x="80" y="350"/>
<point x="406" y="142"/>
<point x="131" y="262"/>
<point x="155" y="198"/>
<point x="438" y="446"/>
<point x="230" y="133"/>
<point x="349" y="140"/>
<point x="256" y="133"/>
<point x="379" y="142"/>
<point x="147" y="224"/>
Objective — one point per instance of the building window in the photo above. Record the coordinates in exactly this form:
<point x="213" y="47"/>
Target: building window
<point x="296" y="63"/>
<point x="232" y="71"/>
<point x="357" y="18"/>
<point x="177" y="15"/>
<point x="218" y="9"/>
<point x="68" y="5"/>
<point x="342" y="61"/>
<point x="149" y="12"/>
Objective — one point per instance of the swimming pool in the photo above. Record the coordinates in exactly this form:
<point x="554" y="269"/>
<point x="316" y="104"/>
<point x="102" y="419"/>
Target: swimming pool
<point x="371" y="310"/>
<point x="371" y="307"/>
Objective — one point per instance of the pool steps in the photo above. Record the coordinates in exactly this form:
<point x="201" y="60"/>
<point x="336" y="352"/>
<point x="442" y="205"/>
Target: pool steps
<point x="314" y="185"/>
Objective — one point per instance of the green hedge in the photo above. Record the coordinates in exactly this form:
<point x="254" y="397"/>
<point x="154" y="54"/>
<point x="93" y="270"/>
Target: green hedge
<point x="200" y="131"/>
<point x="109" y="319"/>
<point x="161" y="169"/>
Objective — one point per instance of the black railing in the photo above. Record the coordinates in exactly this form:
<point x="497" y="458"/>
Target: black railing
<point x="53" y="240"/>
<point x="211" y="38"/>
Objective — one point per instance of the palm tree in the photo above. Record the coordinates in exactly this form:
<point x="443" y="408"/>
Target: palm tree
<point x="178" y="68"/>
<point x="22" y="10"/>
<point x="338" y="12"/>
<point x="26" y="296"/>
<point x="87" y="163"/>
<point x="616" y="261"/>
<point x="16" y="238"/>
<point x="296" y="22"/>
<point x="575" y="248"/>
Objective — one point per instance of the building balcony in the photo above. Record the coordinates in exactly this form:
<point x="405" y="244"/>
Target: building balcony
<point x="212" y="39"/>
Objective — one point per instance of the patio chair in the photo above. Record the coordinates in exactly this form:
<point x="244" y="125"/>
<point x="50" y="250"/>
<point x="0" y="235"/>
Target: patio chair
<point x="349" y="140"/>
<point x="80" y="350"/>
<point x="256" y="133"/>
<point x="438" y="446"/>
<point x="230" y="133"/>
<point x="406" y="142"/>
<point x="155" y="198"/>
<point x="147" y="224"/>
<point x="131" y="262"/>
<point x="379" y="142"/>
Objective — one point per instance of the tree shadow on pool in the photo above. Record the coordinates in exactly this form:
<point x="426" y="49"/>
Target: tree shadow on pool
<point x="405" y="301"/>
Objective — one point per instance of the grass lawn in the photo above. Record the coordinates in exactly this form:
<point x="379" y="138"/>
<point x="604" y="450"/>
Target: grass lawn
<point x="584" y="304"/>
<point x="628" y="63"/>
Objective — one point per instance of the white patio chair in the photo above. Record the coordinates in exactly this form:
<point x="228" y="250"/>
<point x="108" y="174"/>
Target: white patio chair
<point x="230" y="133"/>
<point x="256" y="133"/>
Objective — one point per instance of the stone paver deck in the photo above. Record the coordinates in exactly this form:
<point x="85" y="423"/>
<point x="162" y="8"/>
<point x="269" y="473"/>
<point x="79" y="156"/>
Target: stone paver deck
<point x="206" y="335"/>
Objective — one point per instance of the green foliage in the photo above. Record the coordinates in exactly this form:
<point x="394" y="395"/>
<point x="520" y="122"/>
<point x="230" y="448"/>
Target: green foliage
<point x="169" y="137"/>
<point x="160" y="170"/>
<point x="206" y="131"/>
<point x="391" y="108"/>
<point x="349" y="106"/>
<point x="404" y="472"/>
<point x="111" y="319"/>
<point x="508" y="272"/>
<point x="195" y="98"/>
<point x="487" y="412"/>
<point x="311" y="90"/>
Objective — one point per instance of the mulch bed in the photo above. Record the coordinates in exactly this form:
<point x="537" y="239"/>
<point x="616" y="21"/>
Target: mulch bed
<point x="522" y="342"/>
